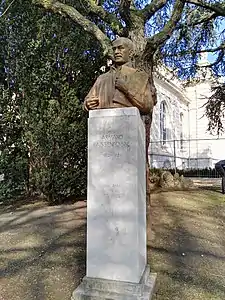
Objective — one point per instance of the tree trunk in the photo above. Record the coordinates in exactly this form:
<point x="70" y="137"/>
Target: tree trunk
<point x="140" y="61"/>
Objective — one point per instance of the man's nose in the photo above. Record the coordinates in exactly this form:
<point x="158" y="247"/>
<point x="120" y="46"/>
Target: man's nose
<point x="116" y="51"/>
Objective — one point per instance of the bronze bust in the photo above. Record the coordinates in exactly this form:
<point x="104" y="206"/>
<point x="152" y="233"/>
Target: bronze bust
<point x="123" y="85"/>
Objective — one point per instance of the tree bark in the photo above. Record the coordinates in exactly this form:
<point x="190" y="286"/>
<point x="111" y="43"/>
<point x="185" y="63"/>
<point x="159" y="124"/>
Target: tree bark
<point x="67" y="10"/>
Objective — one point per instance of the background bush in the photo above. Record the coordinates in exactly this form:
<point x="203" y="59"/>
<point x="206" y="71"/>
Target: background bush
<point x="47" y="65"/>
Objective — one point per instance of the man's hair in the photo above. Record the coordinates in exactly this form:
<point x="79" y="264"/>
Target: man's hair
<point x="126" y="41"/>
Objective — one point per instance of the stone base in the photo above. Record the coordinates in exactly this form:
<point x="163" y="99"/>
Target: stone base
<point x="101" y="289"/>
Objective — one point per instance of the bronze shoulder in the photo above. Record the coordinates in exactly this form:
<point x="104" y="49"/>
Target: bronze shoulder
<point x="104" y="75"/>
<point x="142" y="76"/>
<point x="142" y="73"/>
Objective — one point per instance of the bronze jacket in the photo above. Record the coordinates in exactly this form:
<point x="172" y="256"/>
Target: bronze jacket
<point x="139" y="90"/>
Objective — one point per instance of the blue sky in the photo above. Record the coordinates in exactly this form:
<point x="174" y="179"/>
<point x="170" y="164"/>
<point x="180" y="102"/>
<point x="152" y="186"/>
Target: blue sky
<point x="212" y="57"/>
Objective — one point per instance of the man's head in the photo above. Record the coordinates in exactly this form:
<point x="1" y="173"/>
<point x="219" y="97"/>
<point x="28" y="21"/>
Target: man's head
<point x="123" y="49"/>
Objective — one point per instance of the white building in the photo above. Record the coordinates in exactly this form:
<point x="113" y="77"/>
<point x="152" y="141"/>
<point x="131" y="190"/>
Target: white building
<point x="179" y="136"/>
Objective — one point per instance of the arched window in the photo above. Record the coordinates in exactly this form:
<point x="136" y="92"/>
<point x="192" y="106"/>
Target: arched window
<point x="163" y="122"/>
<point x="181" y="131"/>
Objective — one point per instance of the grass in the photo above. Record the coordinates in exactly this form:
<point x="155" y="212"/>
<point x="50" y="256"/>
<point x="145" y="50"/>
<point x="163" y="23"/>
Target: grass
<point x="188" y="251"/>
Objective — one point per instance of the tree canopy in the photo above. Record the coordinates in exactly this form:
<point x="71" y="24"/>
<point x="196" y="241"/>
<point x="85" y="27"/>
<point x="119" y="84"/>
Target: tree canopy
<point x="177" y="30"/>
<point x="215" y="109"/>
<point x="50" y="54"/>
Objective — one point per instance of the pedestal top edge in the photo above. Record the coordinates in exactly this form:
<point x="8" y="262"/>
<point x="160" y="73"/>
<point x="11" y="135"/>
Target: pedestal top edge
<point x="114" y="112"/>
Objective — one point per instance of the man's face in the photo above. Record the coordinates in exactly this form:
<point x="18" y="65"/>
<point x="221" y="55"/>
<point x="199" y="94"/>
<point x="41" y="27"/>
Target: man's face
<point x="121" y="52"/>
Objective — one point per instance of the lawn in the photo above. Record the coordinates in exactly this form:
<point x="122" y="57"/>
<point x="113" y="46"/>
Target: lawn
<point x="188" y="251"/>
<point x="42" y="249"/>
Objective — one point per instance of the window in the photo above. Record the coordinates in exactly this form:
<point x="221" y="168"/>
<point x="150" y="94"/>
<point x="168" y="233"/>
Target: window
<point x="163" y="122"/>
<point x="181" y="131"/>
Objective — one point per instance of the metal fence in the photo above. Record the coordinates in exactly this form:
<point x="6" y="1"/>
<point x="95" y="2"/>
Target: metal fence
<point x="195" y="157"/>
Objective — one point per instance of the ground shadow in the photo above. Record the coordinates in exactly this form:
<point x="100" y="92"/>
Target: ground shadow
<point x="216" y="189"/>
<point x="42" y="253"/>
<point x="188" y="250"/>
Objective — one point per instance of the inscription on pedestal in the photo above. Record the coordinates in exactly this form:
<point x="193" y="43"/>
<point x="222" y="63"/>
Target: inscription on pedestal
<point x="112" y="140"/>
<point x="115" y="210"/>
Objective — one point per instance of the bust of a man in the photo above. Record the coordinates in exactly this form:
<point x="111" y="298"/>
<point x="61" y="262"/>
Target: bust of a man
<point x="123" y="85"/>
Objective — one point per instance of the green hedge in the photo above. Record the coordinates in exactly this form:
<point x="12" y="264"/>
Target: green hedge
<point x="204" y="173"/>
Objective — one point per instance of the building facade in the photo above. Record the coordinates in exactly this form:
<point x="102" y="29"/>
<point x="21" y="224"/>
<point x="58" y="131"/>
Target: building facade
<point x="179" y="136"/>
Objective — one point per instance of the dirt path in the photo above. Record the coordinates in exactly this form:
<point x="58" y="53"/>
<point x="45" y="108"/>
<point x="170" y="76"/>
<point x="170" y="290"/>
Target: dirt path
<point x="42" y="253"/>
<point x="42" y="249"/>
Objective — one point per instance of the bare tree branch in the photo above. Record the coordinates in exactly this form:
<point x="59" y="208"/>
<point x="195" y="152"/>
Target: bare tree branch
<point x="204" y="19"/>
<point x="209" y="50"/>
<point x="107" y="17"/>
<point x="152" y="8"/>
<point x="99" y="2"/>
<point x="71" y="12"/>
<point x="219" y="48"/>
<point x="8" y="7"/>
<point x="160" y="38"/>
<point x="217" y="7"/>
<point x="217" y="61"/>
<point x="124" y="10"/>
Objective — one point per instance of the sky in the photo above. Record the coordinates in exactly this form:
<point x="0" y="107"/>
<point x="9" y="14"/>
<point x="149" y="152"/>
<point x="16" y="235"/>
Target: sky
<point x="210" y="56"/>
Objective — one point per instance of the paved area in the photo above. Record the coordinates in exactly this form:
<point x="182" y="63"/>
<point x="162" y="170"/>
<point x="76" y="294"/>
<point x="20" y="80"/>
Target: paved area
<point x="210" y="183"/>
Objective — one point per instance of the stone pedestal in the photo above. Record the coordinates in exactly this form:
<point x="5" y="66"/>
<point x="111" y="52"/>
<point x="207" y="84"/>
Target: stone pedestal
<point x="102" y="289"/>
<point x="116" y="208"/>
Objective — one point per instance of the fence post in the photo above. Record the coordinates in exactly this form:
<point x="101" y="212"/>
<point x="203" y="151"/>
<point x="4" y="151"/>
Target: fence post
<point x="174" y="154"/>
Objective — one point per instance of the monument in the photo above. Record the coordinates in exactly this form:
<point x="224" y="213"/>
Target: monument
<point x="123" y="85"/>
<point x="116" y="205"/>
